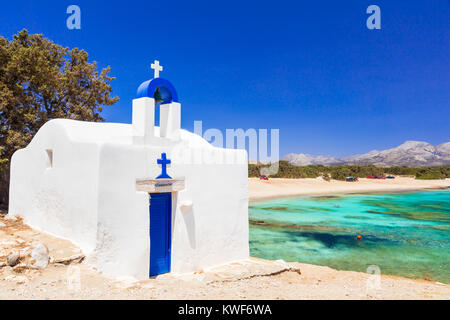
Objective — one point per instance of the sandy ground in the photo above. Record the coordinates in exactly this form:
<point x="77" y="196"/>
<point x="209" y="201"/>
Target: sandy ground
<point x="250" y="279"/>
<point x="275" y="188"/>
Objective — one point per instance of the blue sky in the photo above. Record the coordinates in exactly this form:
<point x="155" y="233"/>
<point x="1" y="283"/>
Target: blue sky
<point x="309" y="68"/>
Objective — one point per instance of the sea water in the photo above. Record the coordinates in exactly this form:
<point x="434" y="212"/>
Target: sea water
<point x="404" y="234"/>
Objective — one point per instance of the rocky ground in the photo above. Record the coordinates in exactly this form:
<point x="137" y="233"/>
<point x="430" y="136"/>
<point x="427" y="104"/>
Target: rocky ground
<point x="34" y="265"/>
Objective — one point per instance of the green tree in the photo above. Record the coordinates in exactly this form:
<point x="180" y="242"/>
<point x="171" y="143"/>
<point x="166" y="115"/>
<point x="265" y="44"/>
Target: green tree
<point x="40" y="81"/>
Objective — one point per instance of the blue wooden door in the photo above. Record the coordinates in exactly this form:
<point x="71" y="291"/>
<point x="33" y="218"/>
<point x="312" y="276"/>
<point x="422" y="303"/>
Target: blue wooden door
<point x="160" y="232"/>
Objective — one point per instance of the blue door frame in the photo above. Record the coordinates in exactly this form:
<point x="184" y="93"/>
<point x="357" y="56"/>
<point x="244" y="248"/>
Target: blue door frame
<point x="160" y="232"/>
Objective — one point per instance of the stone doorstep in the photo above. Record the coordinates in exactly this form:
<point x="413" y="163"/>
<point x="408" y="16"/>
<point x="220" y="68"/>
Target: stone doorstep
<point x="77" y="258"/>
<point x="233" y="271"/>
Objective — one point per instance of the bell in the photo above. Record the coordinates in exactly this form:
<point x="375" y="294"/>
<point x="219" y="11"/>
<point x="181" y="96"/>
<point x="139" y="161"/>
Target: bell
<point x="157" y="96"/>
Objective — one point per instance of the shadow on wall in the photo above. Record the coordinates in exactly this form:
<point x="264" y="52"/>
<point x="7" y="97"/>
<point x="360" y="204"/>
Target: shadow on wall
<point x="189" y="221"/>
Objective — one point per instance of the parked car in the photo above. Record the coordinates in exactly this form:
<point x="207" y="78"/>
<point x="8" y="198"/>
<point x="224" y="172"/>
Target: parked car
<point x="370" y="177"/>
<point x="380" y="177"/>
<point x="390" y="177"/>
<point x="351" y="179"/>
<point x="263" y="178"/>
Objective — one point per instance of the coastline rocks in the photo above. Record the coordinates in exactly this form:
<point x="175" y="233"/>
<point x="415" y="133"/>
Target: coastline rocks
<point x="39" y="256"/>
<point x="13" y="259"/>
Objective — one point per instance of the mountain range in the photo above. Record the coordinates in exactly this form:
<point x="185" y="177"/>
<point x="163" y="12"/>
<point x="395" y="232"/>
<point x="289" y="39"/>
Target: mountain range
<point x="410" y="153"/>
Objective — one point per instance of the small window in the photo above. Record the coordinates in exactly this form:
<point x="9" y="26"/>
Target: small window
<point x="49" y="159"/>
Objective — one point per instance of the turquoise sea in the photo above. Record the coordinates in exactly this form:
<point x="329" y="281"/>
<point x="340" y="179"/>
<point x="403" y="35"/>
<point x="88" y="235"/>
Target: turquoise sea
<point x="405" y="234"/>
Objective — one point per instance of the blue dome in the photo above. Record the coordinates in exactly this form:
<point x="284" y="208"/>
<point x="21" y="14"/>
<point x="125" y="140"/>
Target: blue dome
<point x="159" y="89"/>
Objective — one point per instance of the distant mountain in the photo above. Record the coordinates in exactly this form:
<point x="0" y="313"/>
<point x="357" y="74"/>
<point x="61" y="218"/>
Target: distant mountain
<point x="302" y="159"/>
<point x="410" y="153"/>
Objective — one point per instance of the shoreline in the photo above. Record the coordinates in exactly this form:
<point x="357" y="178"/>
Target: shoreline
<point x="267" y="198"/>
<point x="277" y="188"/>
<point x="282" y="188"/>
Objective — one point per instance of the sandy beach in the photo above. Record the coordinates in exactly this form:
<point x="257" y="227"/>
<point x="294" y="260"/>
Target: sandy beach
<point x="276" y="188"/>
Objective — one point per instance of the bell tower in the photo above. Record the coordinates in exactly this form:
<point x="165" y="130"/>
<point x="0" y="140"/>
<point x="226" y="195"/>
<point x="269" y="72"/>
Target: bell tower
<point x="151" y="92"/>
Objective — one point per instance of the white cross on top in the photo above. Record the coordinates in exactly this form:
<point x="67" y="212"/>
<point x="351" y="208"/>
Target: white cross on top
<point x="155" y="66"/>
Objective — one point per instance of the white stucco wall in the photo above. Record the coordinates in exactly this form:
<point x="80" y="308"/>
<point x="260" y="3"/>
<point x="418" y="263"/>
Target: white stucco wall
<point x="89" y="195"/>
<point x="61" y="200"/>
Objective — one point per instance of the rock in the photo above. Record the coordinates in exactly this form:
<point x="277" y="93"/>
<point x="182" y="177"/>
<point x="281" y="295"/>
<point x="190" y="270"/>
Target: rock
<point x="2" y="225"/>
<point x="13" y="259"/>
<point x="68" y="260"/>
<point x="2" y="264"/>
<point x="39" y="256"/>
<point x="10" y="218"/>
<point x="20" y="267"/>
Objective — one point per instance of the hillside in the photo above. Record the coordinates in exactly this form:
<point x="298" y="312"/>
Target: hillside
<point x="410" y="154"/>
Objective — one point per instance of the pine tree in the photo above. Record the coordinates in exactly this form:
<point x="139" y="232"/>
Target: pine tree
<point x="40" y="81"/>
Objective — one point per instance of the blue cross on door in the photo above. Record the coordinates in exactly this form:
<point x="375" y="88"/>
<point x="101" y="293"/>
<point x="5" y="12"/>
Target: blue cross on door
<point x="163" y="162"/>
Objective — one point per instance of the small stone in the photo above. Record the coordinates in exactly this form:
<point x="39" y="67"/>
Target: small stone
<point x="19" y="267"/>
<point x="68" y="260"/>
<point x="13" y="259"/>
<point x="39" y="256"/>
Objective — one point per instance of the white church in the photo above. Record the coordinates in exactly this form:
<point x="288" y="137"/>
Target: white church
<point x="138" y="199"/>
